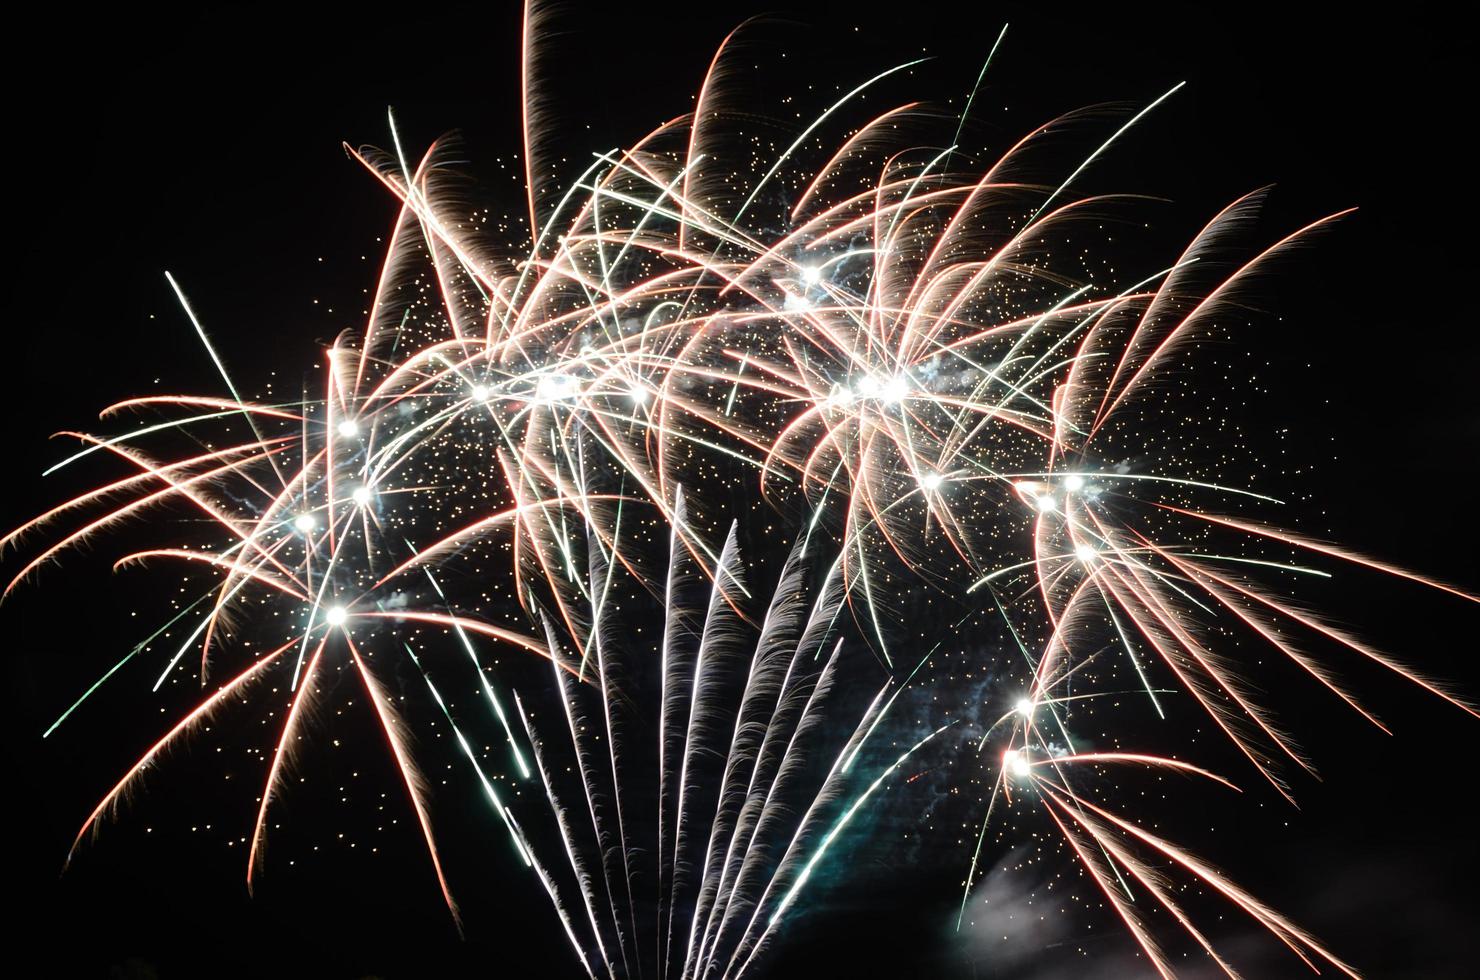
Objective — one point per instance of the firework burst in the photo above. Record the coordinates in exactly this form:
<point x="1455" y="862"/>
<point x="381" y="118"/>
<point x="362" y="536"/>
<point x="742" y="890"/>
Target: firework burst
<point x="919" y="358"/>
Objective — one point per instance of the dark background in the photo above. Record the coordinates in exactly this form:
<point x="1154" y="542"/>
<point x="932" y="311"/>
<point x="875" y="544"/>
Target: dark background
<point x="207" y="142"/>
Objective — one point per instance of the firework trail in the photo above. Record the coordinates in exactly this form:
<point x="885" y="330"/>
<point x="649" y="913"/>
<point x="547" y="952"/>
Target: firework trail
<point x="739" y="725"/>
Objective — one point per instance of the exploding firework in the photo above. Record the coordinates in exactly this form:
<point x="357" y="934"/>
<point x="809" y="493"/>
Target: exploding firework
<point x="906" y="351"/>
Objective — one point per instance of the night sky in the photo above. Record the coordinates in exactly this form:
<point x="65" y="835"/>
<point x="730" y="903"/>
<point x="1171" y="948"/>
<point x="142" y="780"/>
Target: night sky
<point x="208" y="143"/>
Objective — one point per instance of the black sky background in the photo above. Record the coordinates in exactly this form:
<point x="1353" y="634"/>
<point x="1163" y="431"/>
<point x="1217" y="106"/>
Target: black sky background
<point x="207" y="142"/>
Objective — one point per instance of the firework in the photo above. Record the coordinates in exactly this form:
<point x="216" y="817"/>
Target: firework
<point x="890" y="345"/>
<point x="749" y="736"/>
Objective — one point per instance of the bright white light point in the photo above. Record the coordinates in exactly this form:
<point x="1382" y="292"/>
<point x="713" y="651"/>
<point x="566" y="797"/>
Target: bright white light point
<point x="554" y="387"/>
<point x="889" y="390"/>
<point x="482" y="393"/>
<point x="811" y="275"/>
<point x="349" y="428"/>
<point x="931" y="481"/>
<point x="1025" y="707"/>
<point x="1046" y="504"/>
<point x="1016" y="763"/>
<point x="336" y="616"/>
<point x="637" y="393"/>
<point x="1086" y="552"/>
<point x="361" y="495"/>
<point x="303" y="522"/>
<point x="1074" y="482"/>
